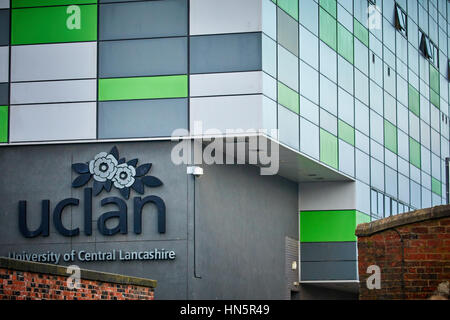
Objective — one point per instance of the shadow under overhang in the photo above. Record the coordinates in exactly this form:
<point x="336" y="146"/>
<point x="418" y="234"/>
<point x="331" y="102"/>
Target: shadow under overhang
<point x="293" y="165"/>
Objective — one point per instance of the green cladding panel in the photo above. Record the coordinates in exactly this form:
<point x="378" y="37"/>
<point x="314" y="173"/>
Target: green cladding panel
<point x="361" y="32"/>
<point x="390" y="136"/>
<point x="45" y="3"/>
<point x="435" y="98"/>
<point x="414" y="100"/>
<point x="414" y="153"/>
<point x="54" y="24"/>
<point x="143" y="88"/>
<point x="345" y="43"/>
<point x="346" y="132"/>
<point x="330" y="6"/>
<point x="327" y="29"/>
<point x="288" y="97"/>
<point x="3" y="123"/>
<point x="290" y="6"/>
<point x="434" y="79"/>
<point x="327" y="226"/>
<point x="329" y="149"/>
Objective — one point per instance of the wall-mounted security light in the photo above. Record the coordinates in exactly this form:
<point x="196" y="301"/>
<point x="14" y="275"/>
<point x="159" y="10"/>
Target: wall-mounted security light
<point x="195" y="171"/>
<point x="294" y="265"/>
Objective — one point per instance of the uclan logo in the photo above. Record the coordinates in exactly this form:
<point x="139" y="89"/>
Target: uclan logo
<point x="107" y="170"/>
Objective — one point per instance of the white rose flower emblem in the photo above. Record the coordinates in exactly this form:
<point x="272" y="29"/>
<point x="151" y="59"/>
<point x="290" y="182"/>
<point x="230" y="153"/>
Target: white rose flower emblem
<point x="124" y="177"/>
<point x="103" y="167"/>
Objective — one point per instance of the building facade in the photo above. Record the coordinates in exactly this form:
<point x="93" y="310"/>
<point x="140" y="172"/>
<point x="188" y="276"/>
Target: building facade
<point x="353" y="93"/>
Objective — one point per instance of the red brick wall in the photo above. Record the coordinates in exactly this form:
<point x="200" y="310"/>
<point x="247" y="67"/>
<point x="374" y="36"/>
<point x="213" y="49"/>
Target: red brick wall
<point x="17" y="285"/>
<point x="426" y="260"/>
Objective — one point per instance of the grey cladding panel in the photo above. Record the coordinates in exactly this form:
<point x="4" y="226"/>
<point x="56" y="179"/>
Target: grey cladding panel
<point x="287" y="32"/>
<point x="336" y="270"/>
<point x="328" y="251"/>
<point x="143" y="57"/>
<point x="4" y="27"/>
<point x="226" y="53"/>
<point x="141" y="118"/>
<point x="144" y="19"/>
<point x="4" y="91"/>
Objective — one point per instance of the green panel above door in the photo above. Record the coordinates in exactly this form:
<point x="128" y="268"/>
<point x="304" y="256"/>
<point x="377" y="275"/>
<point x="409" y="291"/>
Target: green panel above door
<point x="54" y="24"/>
<point x="327" y="226"/>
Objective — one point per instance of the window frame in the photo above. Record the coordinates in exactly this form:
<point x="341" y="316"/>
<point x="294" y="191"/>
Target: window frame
<point x="401" y="16"/>
<point x="429" y="49"/>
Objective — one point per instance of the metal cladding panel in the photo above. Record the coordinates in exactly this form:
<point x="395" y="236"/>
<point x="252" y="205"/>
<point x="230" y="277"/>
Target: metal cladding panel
<point x="4" y="91"/>
<point x="231" y="16"/>
<point x="219" y="113"/>
<point x="42" y="122"/>
<point x="142" y="118"/>
<point x="4" y="4"/>
<point x="54" y="61"/>
<point x="4" y="64"/>
<point x="53" y="91"/>
<point x="288" y="122"/>
<point x="328" y="251"/>
<point x="4" y="27"/>
<point x="334" y="270"/>
<point x="225" y="53"/>
<point x="226" y="83"/>
<point x="288" y="32"/>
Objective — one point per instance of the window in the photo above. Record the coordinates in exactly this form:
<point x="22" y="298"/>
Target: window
<point x="434" y="59"/>
<point x="448" y="70"/>
<point x="429" y="49"/>
<point x="384" y="206"/>
<point x="401" y="21"/>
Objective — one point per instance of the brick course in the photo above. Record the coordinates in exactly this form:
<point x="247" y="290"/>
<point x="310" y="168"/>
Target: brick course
<point x="26" y="285"/>
<point x="426" y="254"/>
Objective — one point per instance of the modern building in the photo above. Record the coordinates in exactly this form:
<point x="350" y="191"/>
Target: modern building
<point x="92" y="91"/>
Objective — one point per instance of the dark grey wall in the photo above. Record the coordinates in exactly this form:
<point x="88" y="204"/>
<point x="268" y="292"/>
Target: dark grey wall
<point x="242" y="220"/>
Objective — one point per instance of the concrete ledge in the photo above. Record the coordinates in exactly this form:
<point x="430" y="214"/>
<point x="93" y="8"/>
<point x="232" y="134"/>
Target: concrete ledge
<point x="368" y="229"/>
<point x="44" y="268"/>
